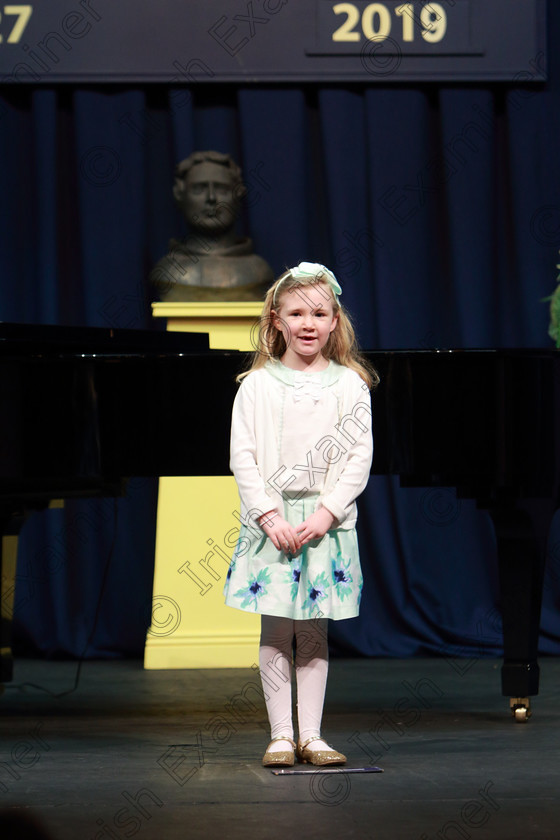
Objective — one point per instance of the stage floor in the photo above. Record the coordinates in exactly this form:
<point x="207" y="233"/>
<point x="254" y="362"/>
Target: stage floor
<point x="176" y="754"/>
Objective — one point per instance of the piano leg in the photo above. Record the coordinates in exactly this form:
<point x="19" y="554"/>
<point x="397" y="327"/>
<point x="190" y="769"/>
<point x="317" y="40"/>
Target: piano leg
<point x="10" y="526"/>
<point x="521" y="540"/>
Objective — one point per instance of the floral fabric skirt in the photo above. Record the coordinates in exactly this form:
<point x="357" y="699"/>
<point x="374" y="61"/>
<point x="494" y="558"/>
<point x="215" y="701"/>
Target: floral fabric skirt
<point x="324" y="580"/>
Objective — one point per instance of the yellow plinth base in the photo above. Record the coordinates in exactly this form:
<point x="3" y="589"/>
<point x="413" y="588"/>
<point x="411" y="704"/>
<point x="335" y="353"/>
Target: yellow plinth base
<point x="197" y="529"/>
<point x="196" y="532"/>
<point x="8" y="580"/>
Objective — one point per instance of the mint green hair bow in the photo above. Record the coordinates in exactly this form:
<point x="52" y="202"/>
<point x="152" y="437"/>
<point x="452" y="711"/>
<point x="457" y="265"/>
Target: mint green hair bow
<point x="315" y="270"/>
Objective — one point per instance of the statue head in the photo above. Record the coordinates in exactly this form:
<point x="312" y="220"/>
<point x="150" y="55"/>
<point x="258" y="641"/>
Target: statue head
<point x="208" y="188"/>
<point x="212" y="262"/>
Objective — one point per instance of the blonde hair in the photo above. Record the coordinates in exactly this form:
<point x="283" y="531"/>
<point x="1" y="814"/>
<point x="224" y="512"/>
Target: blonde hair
<point x="341" y="347"/>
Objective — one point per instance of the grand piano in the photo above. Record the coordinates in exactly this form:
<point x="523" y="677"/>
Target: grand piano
<point x="83" y="410"/>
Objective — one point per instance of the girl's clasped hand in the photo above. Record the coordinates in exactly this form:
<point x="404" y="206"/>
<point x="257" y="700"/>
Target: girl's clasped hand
<point x="290" y="538"/>
<point x="283" y="536"/>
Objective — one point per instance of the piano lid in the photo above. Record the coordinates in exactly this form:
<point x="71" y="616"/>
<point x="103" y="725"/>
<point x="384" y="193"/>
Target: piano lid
<point x="30" y="339"/>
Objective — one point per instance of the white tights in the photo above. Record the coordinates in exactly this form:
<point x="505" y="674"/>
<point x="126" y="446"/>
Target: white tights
<point x="311" y="664"/>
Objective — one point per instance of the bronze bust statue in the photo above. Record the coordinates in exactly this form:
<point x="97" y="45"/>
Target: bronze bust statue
<point x="211" y="263"/>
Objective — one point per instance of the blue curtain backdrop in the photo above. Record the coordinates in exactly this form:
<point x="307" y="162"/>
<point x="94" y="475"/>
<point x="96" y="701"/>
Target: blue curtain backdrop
<point x="438" y="207"/>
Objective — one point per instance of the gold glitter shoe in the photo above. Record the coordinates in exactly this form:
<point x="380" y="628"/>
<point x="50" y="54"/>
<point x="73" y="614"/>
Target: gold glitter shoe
<point x="320" y="758"/>
<point x="282" y="758"/>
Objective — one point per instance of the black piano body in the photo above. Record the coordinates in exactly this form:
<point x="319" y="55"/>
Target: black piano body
<point x="85" y="409"/>
<point x="486" y="423"/>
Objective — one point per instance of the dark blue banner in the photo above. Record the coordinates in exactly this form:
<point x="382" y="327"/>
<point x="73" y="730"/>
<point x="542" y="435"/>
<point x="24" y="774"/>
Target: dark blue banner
<point x="190" y="41"/>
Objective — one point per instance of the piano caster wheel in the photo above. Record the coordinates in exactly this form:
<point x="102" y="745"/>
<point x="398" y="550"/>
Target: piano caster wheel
<point x="520" y="709"/>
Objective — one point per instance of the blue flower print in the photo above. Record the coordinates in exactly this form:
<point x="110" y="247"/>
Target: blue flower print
<point x="342" y="579"/>
<point x="294" y="575"/>
<point x="316" y="592"/>
<point x="255" y="589"/>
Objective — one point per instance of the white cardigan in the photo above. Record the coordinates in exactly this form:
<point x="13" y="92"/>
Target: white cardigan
<point x="342" y="450"/>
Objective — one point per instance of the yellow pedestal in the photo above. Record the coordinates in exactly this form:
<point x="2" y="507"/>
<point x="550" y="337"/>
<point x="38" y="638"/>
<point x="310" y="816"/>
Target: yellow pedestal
<point x="230" y="325"/>
<point x="197" y="530"/>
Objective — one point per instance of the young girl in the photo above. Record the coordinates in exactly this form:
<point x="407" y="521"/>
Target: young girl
<point x="301" y="451"/>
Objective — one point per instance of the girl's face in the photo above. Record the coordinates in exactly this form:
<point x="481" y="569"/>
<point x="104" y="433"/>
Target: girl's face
<point x="305" y="317"/>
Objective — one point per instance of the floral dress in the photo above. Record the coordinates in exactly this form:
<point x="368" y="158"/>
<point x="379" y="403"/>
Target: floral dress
<point x="323" y="579"/>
